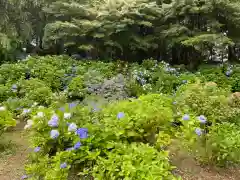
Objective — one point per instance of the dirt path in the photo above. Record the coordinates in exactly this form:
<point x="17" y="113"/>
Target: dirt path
<point x="189" y="169"/>
<point x="12" y="166"/>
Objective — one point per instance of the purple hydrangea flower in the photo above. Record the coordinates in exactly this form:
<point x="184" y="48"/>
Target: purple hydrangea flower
<point x="24" y="177"/>
<point x="82" y="133"/>
<point x="198" y="131"/>
<point x="72" y="105"/>
<point x="54" y="134"/>
<point x="62" y="109"/>
<point x="37" y="149"/>
<point x="77" y="145"/>
<point x="120" y="115"/>
<point x="202" y="119"/>
<point x="72" y="127"/>
<point x="25" y="111"/>
<point x="54" y="121"/>
<point x="186" y="117"/>
<point x="63" y="165"/>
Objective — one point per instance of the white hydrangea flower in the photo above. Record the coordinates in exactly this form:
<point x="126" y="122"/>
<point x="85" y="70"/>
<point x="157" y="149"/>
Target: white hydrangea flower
<point x="34" y="104"/>
<point x="29" y="124"/>
<point x="40" y="114"/>
<point x="2" y="108"/>
<point x="72" y="127"/>
<point x="67" y="115"/>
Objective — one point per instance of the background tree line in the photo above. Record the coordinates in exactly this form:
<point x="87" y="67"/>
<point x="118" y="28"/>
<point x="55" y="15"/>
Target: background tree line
<point x="178" y="31"/>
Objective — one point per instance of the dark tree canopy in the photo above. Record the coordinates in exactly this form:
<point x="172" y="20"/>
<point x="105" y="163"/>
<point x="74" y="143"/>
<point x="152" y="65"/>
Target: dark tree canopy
<point x="177" y="31"/>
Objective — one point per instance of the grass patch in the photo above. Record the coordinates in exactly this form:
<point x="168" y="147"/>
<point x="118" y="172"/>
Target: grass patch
<point x="7" y="146"/>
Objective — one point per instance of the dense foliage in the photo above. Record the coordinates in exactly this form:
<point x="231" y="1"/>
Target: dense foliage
<point x="120" y="94"/>
<point x="178" y="31"/>
<point x="86" y="120"/>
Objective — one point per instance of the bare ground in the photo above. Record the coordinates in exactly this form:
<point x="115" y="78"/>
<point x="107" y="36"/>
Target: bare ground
<point x="189" y="169"/>
<point x="12" y="165"/>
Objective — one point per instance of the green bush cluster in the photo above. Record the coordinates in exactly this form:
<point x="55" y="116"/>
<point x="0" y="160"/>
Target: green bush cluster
<point x="6" y="119"/>
<point x="206" y="99"/>
<point x="76" y="130"/>
<point x="120" y="143"/>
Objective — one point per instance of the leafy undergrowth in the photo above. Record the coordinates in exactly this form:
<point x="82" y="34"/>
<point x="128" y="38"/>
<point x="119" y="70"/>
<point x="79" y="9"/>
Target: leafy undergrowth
<point x="12" y="163"/>
<point x="86" y="120"/>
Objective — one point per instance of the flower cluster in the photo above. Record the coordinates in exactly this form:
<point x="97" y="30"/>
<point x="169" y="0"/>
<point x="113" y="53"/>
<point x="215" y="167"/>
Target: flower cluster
<point x="54" y="121"/>
<point x="202" y="119"/>
<point x="229" y="71"/>
<point x="14" y="88"/>
<point x="2" y="108"/>
<point x="29" y="124"/>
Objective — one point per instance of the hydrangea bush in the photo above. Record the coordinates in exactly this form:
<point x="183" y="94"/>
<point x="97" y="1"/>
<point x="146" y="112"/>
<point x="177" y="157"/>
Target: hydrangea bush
<point x="87" y="141"/>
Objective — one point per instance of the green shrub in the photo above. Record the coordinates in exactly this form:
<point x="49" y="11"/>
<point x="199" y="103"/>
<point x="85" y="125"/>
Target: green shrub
<point x="4" y="93"/>
<point x="6" y="119"/>
<point x="235" y="85"/>
<point x="124" y="124"/>
<point x="12" y="72"/>
<point x="134" y="89"/>
<point x="35" y="90"/>
<point x="223" y="144"/>
<point x="47" y="72"/>
<point x="76" y="88"/>
<point x="206" y="99"/>
<point x="215" y="74"/>
<point x="164" y="82"/>
<point x="134" y="161"/>
<point x="216" y="145"/>
<point x="41" y="95"/>
<point x="143" y="118"/>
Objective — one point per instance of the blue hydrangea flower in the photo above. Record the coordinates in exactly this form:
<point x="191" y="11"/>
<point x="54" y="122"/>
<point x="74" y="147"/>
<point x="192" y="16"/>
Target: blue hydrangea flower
<point x="228" y="73"/>
<point x="186" y="117"/>
<point x="54" y="121"/>
<point x="202" y="119"/>
<point x="82" y="133"/>
<point x="72" y="127"/>
<point x="95" y="109"/>
<point x="25" y="111"/>
<point x="54" y="134"/>
<point x="14" y="88"/>
<point x="184" y="81"/>
<point x="62" y="109"/>
<point x="24" y="177"/>
<point x="198" y="131"/>
<point x="63" y="165"/>
<point x="120" y="115"/>
<point x="37" y="149"/>
<point x="174" y="103"/>
<point x="77" y="145"/>
<point x="142" y="81"/>
<point x="72" y="105"/>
